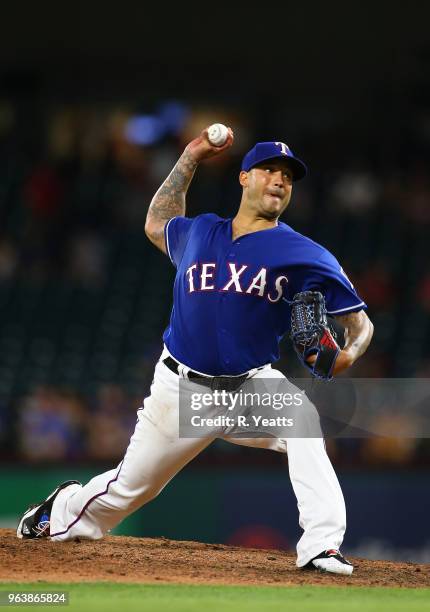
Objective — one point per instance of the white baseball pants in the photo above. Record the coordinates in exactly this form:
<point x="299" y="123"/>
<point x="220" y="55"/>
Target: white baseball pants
<point x="156" y="453"/>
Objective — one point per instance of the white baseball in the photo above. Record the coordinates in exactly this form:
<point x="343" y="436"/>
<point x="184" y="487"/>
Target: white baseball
<point x="217" y="134"/>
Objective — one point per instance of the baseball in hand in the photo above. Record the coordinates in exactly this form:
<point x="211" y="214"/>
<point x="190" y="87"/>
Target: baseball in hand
<point x="217" y="134"/>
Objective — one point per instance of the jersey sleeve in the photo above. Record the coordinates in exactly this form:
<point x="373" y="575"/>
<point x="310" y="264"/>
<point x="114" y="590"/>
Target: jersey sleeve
<point x="327" y="276"/>
<point x="176" y="233"/>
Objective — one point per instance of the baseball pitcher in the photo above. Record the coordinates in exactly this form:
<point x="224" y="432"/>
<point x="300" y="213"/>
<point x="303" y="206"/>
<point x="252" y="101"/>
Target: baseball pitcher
<point x="241" y="284"/>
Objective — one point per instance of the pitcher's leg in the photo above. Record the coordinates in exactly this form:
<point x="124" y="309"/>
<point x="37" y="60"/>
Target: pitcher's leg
<point x="320" y="501"/>
<point x="321" y="506"/>
<point x="319" y="498"/>
<point x="150" y="463"/>
<point x="155" y="454"/>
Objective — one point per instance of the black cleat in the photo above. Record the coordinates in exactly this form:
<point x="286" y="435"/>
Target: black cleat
<point x="36" y="519"/>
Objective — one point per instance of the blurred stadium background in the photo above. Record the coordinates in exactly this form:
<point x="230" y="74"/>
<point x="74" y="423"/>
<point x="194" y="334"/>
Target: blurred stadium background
<point x="95" y="107"/>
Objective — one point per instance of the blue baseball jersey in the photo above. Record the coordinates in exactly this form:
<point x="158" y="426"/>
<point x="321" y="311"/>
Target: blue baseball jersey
<point x="230" y="297"/>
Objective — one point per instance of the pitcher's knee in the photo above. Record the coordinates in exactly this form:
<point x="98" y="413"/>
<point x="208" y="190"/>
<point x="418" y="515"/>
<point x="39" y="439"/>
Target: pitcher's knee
<point x="149" y="493"/>
<point x="129" y="500"/>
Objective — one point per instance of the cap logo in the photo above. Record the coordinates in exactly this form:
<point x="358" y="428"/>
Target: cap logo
<point x="285" y="150"/>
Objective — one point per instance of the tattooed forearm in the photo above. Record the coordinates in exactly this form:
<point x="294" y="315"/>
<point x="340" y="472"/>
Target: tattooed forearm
<point x="169" y="201"/>
<point x="358" y="333"/>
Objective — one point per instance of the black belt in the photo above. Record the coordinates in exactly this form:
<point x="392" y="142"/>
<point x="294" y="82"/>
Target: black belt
<point x="216" y="383"/>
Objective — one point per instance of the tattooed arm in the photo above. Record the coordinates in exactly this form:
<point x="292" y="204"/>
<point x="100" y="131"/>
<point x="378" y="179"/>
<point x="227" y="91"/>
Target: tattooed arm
<point x="358" y="334"/>
<point x="169" y="201"/>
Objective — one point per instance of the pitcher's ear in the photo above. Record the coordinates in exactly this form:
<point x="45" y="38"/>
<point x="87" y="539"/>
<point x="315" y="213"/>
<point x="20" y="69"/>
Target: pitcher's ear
<point x="243" y="178"/>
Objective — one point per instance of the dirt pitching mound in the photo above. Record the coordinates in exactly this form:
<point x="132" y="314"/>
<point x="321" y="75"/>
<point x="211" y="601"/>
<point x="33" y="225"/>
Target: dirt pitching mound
<point x="147" y="560"/>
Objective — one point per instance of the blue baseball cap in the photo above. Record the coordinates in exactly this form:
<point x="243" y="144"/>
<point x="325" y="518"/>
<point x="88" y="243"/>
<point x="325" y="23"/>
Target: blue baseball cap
<point x="273" y="150"/>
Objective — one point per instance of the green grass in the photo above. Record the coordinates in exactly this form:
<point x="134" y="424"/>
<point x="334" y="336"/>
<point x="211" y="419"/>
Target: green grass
<point x="106" y="597"/>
